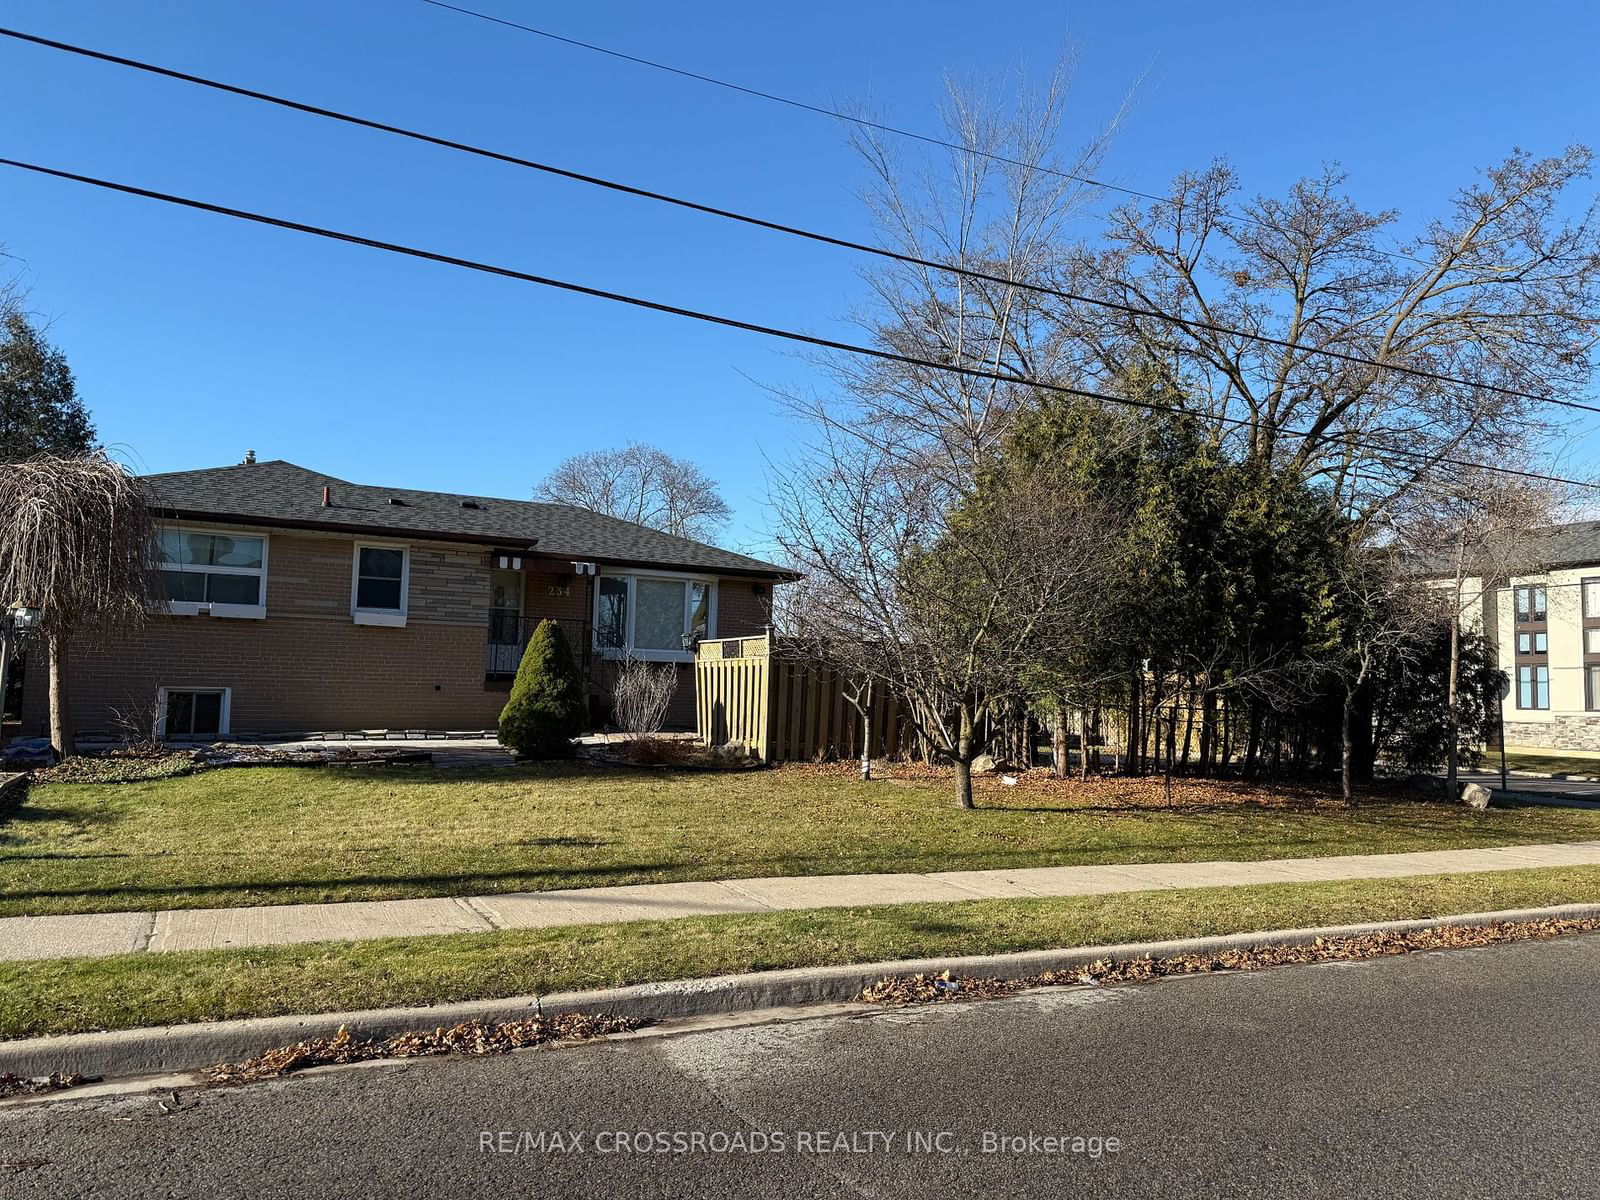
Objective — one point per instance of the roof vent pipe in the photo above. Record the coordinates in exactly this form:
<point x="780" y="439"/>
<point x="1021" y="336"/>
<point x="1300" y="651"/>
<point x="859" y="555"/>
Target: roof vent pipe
<point x="249" y="458"/>
<point x="327" y="496"/>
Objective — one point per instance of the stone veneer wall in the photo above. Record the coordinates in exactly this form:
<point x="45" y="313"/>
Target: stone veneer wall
<point x="1558" y="733"/>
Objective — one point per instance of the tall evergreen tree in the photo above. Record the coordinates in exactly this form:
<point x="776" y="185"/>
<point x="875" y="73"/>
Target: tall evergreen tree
<point x="40" y="412"/>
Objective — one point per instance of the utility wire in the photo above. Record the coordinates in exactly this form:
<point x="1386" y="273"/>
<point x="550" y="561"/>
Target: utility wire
<point x="731" y="322"/>
<point x="776" y="226"/>
<point x="835" y="114"/>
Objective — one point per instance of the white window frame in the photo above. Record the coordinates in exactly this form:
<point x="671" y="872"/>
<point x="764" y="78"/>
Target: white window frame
<point x="224" y="718"/>
<point x="631" y="578"/>
<point x="393" y="617"/>
<point x="193" y="608"/>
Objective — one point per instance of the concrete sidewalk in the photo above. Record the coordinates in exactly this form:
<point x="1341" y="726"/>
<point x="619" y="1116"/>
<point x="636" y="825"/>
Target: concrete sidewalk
<point x="99" y="934"/>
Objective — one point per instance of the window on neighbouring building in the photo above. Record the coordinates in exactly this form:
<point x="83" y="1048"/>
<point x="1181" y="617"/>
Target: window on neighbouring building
<point x="223" y="571"/>
<point x="378" y="591"/>
<point x="1524" y="643"/>
<point x="1530" y="602"/>
<point x="1591" y="687"/>
<point x="1591" y="597"/>
<point x="1591" y="641"/>
<point x="652" y="616"/>
<point x="1533" y="687"/>
<point x="1541" y="643"/>
<point x="189" y="713"/>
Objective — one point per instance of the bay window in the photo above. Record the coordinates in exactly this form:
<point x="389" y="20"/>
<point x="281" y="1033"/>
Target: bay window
<point x="655" y="617"/>
<point x="224" y="574"/>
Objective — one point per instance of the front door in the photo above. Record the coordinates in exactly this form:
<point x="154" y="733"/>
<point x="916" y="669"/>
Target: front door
<point x="505" y="621"/>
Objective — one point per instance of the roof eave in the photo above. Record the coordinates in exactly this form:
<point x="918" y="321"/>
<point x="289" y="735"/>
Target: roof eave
<point x="469" y="539"/>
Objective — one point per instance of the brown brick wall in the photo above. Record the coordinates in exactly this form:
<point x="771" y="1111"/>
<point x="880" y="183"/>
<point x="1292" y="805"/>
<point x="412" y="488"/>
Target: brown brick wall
<point x="740" y="611"/>
<point x="307" y="666"/>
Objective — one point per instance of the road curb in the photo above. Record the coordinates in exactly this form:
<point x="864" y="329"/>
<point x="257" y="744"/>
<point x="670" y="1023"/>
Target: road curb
<point x="170" y="1048"/>
<point x="1546" y="799"/>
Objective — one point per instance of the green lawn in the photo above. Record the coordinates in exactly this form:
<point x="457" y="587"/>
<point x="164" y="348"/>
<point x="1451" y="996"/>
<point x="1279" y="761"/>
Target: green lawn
<point x="73" y="995"/>
<point x="1555" y="764"/>
<point x="286" y="835"/>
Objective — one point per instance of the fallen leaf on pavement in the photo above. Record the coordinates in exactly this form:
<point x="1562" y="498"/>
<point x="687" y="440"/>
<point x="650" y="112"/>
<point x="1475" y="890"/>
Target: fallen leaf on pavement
<point x="470" y="1037"/>
<point x="930" y="989"/>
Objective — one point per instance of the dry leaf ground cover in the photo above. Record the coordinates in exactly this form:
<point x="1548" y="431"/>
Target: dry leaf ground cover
<point x="472" y="1038"/>
<point x="948" y="987"/>
<point x="292" y="835"/>
<point x="73" y="995"/>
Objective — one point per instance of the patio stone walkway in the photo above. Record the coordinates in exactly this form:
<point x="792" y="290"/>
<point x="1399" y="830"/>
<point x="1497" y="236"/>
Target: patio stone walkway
<point x="99" y="934"/>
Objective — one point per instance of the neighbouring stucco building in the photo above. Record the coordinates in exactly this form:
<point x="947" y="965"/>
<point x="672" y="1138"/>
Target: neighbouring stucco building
<point x="1544" y="626"/>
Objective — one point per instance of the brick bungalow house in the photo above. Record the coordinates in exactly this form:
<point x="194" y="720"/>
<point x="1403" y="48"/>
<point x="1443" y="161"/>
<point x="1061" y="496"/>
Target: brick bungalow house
<point x="297" y="602"/>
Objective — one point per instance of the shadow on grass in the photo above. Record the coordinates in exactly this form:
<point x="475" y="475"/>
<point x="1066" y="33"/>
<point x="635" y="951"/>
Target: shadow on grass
<point x="579" y="874"/>
<point x="439" y="884"/>
<point x="572" y="843"/>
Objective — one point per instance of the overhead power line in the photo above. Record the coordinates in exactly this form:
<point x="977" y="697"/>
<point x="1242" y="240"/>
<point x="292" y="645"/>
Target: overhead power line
<point x="731" y="322"/>
<point x="778" y="226"/>
<point x="865" y="122"/>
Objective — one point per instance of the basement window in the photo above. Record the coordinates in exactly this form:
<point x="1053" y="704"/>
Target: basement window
<point x="192" y="712"/>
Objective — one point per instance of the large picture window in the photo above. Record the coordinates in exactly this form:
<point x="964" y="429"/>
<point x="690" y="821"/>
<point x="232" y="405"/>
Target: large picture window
<point x="656" y="617"/>
<point x="204" y="570"/>
<point x="378" y="586"/>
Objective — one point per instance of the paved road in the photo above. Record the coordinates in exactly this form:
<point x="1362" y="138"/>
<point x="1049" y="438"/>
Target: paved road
<point x="1454" y="1074"/>
<point x="1570" y="789"/>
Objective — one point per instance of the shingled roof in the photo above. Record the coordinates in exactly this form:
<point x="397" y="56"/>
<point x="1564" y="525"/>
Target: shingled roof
<point x="283" y="494"/>
<point x="1573" y="545"/>
<point x="1547" y="548"/>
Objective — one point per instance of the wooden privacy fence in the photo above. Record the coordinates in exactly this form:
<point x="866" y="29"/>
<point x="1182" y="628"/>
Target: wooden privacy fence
<point x="782" y="708"/>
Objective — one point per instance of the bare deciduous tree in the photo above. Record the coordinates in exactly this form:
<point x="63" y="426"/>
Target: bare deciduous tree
<point x="1502" y="292"/>
<point x="943" y="609"/>
<point x="642" y="484"/>
<point x="76" y="542"/>
<point x="1000" y="204"/>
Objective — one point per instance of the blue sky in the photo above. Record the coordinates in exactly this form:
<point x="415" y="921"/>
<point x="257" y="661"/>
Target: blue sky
<point x="195" y="337"/>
